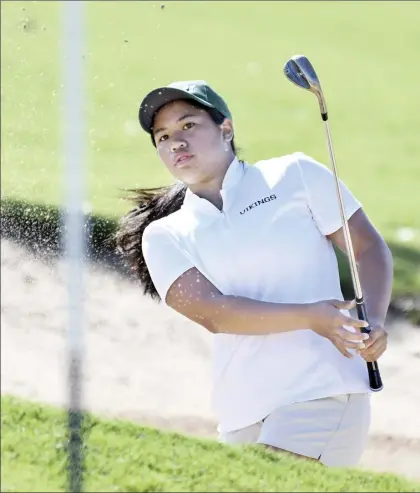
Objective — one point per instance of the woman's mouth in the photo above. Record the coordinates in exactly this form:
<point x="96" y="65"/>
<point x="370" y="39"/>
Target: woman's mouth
<point x="182" y="159"/>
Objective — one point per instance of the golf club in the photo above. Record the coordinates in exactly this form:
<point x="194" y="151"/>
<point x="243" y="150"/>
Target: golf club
<point x="300" y="71"/>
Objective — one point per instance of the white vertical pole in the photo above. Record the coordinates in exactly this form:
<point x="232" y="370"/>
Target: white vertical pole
<point x="75" y="241"/>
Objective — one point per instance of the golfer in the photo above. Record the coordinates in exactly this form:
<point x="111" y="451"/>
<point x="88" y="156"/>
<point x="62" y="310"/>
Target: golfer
<point x="246" y="251"/>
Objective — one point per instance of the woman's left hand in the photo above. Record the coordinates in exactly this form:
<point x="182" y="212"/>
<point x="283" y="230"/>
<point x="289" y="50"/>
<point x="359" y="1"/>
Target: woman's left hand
<point x="376" y="345"/>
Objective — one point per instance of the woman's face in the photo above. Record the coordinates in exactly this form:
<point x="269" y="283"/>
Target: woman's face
<point x="193" y="148"/>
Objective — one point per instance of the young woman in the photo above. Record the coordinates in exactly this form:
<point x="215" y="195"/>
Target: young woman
<point x="246" y="251"/>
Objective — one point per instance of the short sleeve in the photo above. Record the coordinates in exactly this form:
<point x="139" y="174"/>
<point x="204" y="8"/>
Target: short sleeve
<point x="164" y="257"/>
<point x="320" y="189"/>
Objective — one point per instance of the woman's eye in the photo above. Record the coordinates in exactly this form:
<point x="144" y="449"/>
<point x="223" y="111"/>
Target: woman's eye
<point x="189" y="125"/>
<point x="162" y="138"/>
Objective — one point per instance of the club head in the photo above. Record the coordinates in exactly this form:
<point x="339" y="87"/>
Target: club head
<point x="300" y="71"/>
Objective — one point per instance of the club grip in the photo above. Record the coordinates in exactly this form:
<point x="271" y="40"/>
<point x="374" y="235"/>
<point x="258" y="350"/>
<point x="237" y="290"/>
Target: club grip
<point x="375" y="380"/>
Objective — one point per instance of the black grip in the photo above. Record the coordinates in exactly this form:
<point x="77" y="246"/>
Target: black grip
<point x="375" y="380"/>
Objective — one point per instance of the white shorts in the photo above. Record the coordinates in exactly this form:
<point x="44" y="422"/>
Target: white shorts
<point x="333" y="430"/>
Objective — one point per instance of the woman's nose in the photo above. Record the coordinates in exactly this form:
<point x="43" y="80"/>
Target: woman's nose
<point x="178" y="144"/>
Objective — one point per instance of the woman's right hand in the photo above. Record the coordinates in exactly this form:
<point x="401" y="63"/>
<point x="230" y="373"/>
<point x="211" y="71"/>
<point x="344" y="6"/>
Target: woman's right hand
<point x="327" y="320"/>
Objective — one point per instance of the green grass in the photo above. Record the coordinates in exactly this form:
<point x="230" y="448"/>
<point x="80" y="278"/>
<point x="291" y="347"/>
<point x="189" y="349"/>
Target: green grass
<point x="123" y="456"/>
<point x="239" y="47"/>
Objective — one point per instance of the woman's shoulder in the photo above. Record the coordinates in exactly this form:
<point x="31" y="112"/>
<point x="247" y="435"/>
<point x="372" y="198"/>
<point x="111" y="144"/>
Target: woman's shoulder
<point x="282" y="162"/>
<point x="278" y="163"/>
<point x="166" y="225"/>
<point x="171" y="228"/>
<point x="277" y="168"/>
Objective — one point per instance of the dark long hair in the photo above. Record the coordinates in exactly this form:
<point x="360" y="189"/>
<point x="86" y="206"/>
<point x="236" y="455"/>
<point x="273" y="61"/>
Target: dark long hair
<point x="151" y="204"/>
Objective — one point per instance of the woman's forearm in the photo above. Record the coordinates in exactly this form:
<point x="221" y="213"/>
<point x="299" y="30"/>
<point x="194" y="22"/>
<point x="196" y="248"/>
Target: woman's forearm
<point x="238" y="315"/>
<point x="375" y="266"/>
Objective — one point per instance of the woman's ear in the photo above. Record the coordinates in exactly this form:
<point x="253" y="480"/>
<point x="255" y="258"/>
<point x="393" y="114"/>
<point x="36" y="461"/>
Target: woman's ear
<point x="227" y="130"/>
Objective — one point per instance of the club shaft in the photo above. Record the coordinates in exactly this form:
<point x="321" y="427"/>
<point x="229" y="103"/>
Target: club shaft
<point x="375" y="379"/>
<point x="346" y="231"/>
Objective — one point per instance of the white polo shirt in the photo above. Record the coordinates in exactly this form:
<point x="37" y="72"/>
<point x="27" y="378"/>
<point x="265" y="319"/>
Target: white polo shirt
<point x="269" y="243"/>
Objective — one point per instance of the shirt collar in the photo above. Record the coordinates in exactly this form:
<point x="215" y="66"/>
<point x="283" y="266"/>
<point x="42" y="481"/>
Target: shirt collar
<point x="232" y="178"/>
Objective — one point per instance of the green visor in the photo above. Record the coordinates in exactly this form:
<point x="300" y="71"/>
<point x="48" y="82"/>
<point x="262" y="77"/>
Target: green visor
<point x="196" y="90"/>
